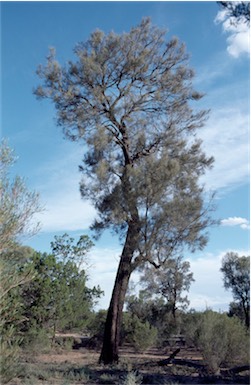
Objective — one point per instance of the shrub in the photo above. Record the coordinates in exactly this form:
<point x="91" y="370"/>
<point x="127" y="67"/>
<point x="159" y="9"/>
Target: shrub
<point x="36" y="341"/>
<point x="140" y="334"/>
<point x="132" y="378"/>
<point x="96" y="325"/>
<point x="9" y="357"/>
<point x="221" y="340"/>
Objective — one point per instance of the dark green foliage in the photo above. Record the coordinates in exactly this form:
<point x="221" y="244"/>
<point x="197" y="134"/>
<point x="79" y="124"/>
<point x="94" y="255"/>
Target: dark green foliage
<point x="236" y="310"/>
<point x="140" y="334"/>
<point x="96" y="328"/>
<point x="236" y="276"/>
<point x="57" y="299"/>
<point x="63" y="246"/>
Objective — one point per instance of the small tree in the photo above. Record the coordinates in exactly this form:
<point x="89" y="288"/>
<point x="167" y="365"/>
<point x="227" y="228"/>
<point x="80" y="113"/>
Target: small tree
<point x="127" y="97"/>
<point x="58" y="297"/>
<point x="17" y="208"/>
<point x="236" y="276"/>
<point x="170" y="281"/>
<point x="63" y="246"/>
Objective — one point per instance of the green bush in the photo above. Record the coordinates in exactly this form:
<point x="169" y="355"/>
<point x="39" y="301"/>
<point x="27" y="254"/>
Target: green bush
<point x="9" y="355"/>
<point x="96" y="324"/>
<point x="36" y="341"/>
<point x="220" y="339"/>
<point x="140" y="334"/>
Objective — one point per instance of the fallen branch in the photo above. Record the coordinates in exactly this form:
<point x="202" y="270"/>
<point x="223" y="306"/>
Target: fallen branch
<point x="162" y="362"/>
<point x="238" y="369"/>
<point x="190" y="364"/>
<point x="169" y="359"/>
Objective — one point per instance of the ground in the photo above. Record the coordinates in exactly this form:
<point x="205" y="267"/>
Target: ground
<point x="79" y="365"/>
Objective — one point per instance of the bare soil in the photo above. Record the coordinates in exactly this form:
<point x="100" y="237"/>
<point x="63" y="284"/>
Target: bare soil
<point x="80" y="366"/>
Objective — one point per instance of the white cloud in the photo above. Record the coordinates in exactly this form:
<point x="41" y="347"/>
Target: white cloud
<point x="66" y="213"/>
<point x="58" y="184"/>
<point x="226" y="138"/>
<point x="236" y="221"/>
<point x="208" y="290"/>
<point x="102" y="271"/>
<point x="238" y="41"/>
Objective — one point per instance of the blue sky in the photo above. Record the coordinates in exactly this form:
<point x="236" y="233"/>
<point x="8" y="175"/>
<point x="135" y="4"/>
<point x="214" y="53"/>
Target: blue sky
<point x="219" y="54"/>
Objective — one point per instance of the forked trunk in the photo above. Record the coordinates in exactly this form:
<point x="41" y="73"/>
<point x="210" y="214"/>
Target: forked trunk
<point x="109" y="353"/>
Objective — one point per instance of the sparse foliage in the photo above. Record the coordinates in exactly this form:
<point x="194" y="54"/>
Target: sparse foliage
<point x="63" y="246"/>
<point x="17" y="204"/>
<point x="127" y="97"/>
<point x="170" y="281"/>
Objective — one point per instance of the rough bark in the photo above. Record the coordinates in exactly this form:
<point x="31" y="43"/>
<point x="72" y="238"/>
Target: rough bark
<point x="109" y="353"/>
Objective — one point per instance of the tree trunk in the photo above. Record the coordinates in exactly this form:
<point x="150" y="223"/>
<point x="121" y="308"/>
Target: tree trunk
<point x="109" y="353"/>
<point x="247" y="317"/>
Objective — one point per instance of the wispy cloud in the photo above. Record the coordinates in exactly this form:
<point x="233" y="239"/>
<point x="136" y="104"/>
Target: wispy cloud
<point x="58" y="184"/>
<point x="226" y="138"/>
<point x="243" y="223"/>
<point x="102" y="271"/>
<point x="238" y="40"/>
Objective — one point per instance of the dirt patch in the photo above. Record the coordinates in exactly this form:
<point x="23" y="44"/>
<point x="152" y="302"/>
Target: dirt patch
<point x="72" y="367"/>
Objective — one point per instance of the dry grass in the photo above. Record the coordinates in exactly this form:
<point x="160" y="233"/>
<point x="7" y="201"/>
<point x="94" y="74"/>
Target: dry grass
<point x="75" y="367"/>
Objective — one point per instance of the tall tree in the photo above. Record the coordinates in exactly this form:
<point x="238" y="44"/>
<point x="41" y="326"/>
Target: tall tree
<point x="127" y="98"/>
<point x="236" y="276"/>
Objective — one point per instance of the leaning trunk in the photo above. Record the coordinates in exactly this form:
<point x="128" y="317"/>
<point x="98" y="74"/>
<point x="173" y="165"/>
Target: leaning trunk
<point x="109" y="353"/>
